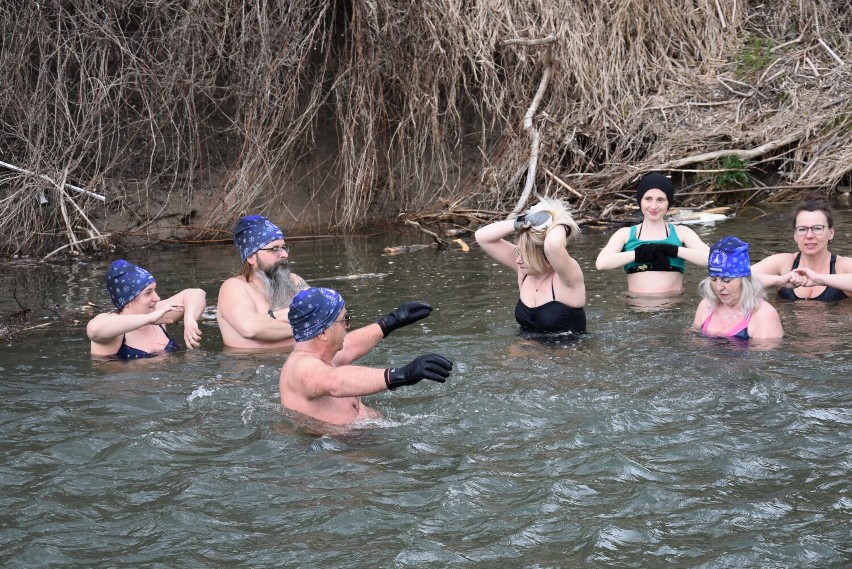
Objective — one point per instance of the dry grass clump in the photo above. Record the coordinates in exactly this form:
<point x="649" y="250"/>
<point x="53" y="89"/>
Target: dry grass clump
<point x="172" y="108"/>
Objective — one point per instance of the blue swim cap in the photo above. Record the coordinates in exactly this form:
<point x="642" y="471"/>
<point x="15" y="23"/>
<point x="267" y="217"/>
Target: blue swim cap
<point x="253" y="232"/>
<point x="313" y="311"/>
<point x="124" y="282"/>
<point x="729" y="259"/>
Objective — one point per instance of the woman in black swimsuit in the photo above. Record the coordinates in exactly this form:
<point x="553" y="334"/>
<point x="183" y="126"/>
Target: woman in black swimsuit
<point x="137" y="328"/>
<point x="814" y="273"/>
<point x="552" y="291"/>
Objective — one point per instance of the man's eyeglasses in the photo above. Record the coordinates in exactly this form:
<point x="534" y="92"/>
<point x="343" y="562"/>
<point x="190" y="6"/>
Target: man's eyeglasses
<point x="817" y="230"/>
<point x="347" y="321"/>
<point x="277" y="250"/>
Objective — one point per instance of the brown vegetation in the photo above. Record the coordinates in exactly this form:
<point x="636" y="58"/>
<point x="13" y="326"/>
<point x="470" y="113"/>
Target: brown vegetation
<point x="184" y="115"/>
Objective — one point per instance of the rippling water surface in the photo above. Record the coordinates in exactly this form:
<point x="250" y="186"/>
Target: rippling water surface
<point x="638" y="445"/>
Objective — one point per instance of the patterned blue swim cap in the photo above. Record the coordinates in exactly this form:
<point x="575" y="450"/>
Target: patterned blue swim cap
<point x="124" y="282"/>
<point x="729" y="259"/>
<point x="253" y="232"/>
<point x="313" y="310"/>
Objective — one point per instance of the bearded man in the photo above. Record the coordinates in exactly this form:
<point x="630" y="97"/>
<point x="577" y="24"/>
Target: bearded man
<point x="253" y="307"/>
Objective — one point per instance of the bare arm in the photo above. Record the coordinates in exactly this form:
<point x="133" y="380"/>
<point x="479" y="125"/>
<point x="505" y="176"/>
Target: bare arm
<point x="492" y="240"/>
<point x="765" y="323"/>
<point x="318" y="379"/>
<point x="693" y="249"/>
<point x="807" y="277"/>
<point x="242" y="313"/>
<point x="774" y="271"/>
<point x="357" y="344"/>
<point x="566" y="267"/>
<point x="701" y="314"/>
<point x="104" y="328"/>
<point x="194" y="300"/>
<point x="612" y="255"/>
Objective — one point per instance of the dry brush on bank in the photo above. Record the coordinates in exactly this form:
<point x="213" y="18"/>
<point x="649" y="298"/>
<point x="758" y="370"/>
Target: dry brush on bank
<point x="184" y="115"/>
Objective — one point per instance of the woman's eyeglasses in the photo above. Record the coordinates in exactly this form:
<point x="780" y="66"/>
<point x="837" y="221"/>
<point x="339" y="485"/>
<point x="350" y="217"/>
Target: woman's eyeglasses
<point x="817" y="230"/>
<point x="278" y="249"/>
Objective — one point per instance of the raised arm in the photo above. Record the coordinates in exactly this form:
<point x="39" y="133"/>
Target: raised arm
<point x="492" y="240"/>
<point x="194" y="301"/>
<point x="104" y="328"/>
<point x="566" y="267"/>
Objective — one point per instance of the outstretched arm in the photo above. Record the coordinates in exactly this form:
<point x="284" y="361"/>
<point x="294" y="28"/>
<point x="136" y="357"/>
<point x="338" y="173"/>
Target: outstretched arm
<point x="806" y="277"/>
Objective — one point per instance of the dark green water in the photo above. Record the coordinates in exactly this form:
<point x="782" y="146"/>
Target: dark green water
<point x="640" y="445"/>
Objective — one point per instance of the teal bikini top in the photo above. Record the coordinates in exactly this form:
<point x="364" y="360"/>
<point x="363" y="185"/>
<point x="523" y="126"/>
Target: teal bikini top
<point x="675" y="263"/>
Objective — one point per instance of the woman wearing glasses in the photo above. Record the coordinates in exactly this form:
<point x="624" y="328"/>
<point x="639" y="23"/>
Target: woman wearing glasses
<point x="550" y="281"/>
<point x="814" y="273"/>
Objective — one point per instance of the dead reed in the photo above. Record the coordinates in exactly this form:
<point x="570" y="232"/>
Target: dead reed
<point x="417" y="109"/>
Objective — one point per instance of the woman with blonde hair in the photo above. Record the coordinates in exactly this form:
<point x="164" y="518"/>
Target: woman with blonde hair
<point x="550" y="281"/>
<point x="734" y="303"/>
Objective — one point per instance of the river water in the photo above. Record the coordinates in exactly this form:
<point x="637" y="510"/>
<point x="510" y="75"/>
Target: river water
<point x="639" y="445"/>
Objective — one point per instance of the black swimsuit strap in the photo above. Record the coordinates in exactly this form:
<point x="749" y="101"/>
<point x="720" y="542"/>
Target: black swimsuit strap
<point x="639" y="235"/>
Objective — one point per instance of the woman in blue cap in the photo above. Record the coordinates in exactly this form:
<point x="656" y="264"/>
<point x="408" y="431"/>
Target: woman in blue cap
<point x="734" y="303"/>
<point x="137" y="328"/>
<point x="653" y="252"/>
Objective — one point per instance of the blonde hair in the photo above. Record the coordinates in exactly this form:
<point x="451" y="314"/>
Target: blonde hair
<point x="751" y="293"/>
<point x="530" y="241"/>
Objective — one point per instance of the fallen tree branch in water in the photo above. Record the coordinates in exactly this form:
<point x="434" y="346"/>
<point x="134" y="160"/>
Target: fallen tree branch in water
<point x="432" y="234"/>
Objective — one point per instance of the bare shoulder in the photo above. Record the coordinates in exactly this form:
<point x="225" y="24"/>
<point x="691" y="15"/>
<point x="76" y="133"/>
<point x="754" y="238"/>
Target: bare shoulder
<point x="774" y="264"/>
<point x="843" y="264"/>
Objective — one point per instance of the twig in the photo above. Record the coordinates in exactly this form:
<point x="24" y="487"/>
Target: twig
<point x="562" y="183"/>
<point x="742" y="154"/>
<point x="534" y="136"/>
<point x="52" y="181"/>
<point x="830" y="51"/>
<point x="549" y="38"/>
<point x="431" y="234"/>
<point x="55" y="251"/>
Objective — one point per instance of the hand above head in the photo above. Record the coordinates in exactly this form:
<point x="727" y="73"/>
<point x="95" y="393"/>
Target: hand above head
<point x="407" y="313"/>
<point x="428" y="366"/>
<point x="537" y="220"/>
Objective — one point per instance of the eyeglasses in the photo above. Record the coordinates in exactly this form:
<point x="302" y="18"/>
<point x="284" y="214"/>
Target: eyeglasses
<point x="817" y="230"/>
<point x="278" y="249"/>
<point x="347" y="321"/>
<point x="518" y="253"/>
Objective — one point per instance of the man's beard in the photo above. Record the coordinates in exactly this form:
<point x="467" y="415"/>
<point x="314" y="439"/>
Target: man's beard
<point x="278" y="283"/>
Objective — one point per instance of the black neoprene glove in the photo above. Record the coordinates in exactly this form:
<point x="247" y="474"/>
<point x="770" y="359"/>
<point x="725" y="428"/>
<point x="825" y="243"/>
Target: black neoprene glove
<point x="532" y="220"/>
<point x="428" y="366"/>
<point x="649" y="252"/>
<point x="407" y="313"/>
